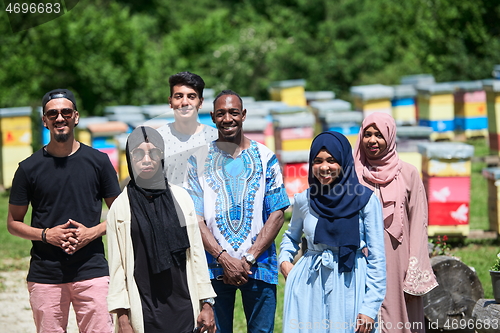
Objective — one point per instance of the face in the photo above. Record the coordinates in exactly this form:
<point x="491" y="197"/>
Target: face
<point x="228" y="117"/>
<point x="145" y="159"/>
<point x="185" y="102"/>
<point x="61" y="127"/>
<point x="374" y="143"/>
<point x="325" y="167"/>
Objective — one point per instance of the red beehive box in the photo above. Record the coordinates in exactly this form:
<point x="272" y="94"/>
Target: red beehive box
<point x="447" y="189"/>
<point x="448" y="213"/>
<point x="448" y="199"/>
<point x="295" y="178"/>
<point x="256" y="136"/>
<point x="295" y="170"/>
<point x="297" y="133"/>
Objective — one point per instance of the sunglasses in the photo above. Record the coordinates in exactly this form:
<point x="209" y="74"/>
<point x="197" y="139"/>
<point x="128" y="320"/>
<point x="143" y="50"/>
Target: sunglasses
<point x="138" y="154"/>
<point x="53" y="114"/>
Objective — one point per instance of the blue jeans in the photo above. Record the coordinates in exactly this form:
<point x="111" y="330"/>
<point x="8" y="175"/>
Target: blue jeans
<point x="259" y="304"/>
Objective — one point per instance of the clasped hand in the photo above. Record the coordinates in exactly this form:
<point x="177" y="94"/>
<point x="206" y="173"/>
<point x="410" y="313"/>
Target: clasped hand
<point x="236" y="271"/>
<point x="70" y="236"/>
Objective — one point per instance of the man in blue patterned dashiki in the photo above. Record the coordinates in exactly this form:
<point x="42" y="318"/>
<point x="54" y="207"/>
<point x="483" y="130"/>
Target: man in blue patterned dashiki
<point x="240" y="198"/>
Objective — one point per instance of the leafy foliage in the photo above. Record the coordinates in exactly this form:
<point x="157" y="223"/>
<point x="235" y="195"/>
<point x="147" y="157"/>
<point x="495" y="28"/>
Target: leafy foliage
<point x="496" y="265"/>
<point x="122" y="52"/>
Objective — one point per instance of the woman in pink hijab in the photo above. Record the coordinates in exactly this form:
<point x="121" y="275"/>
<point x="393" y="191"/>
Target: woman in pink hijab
<point x="404" y="206"/>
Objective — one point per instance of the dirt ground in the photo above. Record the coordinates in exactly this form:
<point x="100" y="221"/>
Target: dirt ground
<point x="15" y="311"/>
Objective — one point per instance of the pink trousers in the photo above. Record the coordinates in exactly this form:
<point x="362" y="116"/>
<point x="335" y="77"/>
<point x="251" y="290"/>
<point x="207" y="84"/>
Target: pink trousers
<point x="50" y="305"/>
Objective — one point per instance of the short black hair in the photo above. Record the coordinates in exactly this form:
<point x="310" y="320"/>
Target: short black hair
<point x="58" y="93"/>
<point x="187" y="79"/>
<point x="228" y="92"/>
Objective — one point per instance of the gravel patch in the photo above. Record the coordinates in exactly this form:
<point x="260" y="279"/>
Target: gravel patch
<point x="15" y="310"/>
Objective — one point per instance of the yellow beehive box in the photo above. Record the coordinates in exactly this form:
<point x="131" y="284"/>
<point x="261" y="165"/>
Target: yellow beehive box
<point x="446" y="159"/>
<point x="449" y="230"/>
<point x="15" y="126"/>
<point x="16" y="131"/>
<point x="435" y="112"/>
<point x="442" y="136"/>
<point x="11" y="156"/>
<point x="122" y="158"/>
<point x="446" y="167"/>
<point x="123" y="168"/>
<point x="296" y="144"/>
<point x="84" y="136"/>
<point x="436" y="102"/>
<point x="440" y="99"/>
<point x="291" y="92"/>
<point x="374" y="104"/>
<point x="470" y="109"/>
<point x="352" y="138"/>
<point x="412" y="157"/>
<point x="372" y="97"/>
<point x="404" y="114"/>
<point x="269" y="142"/>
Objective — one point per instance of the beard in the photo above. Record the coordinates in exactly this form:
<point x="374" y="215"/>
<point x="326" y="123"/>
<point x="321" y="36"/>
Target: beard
<point x="61" y="137"/>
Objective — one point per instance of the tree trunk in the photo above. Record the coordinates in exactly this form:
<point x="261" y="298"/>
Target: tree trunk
<point x="449" y="306"/>
<point x="486" y="315"/>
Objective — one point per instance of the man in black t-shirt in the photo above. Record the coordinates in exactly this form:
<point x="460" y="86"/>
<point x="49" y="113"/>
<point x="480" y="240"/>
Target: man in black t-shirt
<point x="65" y="183"/>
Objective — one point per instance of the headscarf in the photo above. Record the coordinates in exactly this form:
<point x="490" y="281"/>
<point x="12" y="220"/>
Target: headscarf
<point x="385" y="171"/>
<point x="153" y="208"/>
<point x="338" y="204"/>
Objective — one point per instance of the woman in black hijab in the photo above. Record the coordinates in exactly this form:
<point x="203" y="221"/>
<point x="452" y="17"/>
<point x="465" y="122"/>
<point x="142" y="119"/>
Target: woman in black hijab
<point x="158" y="273"/>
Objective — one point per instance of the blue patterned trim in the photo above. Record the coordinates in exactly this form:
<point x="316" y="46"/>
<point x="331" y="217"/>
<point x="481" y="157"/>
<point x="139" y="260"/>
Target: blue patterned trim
<point x="236" y="181"/>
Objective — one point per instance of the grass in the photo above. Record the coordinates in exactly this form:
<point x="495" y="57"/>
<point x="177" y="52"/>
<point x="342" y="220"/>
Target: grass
<point x="479" y="254"/>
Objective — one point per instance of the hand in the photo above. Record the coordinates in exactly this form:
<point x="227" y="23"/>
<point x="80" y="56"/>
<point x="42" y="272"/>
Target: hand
<point x="82" y="236"/>
<point x="207" y="319"/>
<point x="285" y="268"/>
<point x="364" y="324"/>
<point x="61" y="235"/>
<point x="235" y="272"/>
<point x="124" y="322"/>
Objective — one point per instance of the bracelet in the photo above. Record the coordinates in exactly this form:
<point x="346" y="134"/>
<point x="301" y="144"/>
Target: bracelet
<point x="44" y="235"/>
<point x="218" y="256"/>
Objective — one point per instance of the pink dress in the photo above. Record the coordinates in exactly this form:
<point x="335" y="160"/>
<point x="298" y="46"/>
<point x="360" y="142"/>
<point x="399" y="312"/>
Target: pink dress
<point x="408" y="265"/>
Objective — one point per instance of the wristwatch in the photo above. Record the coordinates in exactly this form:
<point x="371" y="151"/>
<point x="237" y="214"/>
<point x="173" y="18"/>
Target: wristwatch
<point x="210" y="301"/>
<point x="250" y="258"/>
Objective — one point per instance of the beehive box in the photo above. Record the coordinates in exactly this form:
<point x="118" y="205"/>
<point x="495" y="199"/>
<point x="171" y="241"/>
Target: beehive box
<point x="15" y="128"/>
<point x="291" y="92"/>
<point x="492" y="89"/>
<point x="446" y="159"/>
<point x="470" y="99"/>
<point x="372" y="98"/>
<point x="295" y="171"/>
<point x="403" y="105"/>
<point x="435" y="102"/>
<point x="492" y="176"/>
<point x="293" y="131"/>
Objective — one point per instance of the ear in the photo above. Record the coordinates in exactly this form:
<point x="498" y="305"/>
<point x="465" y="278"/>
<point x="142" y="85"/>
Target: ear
<point x="201" y="103"/>
<point x="212" y="115"/>
<point x="44" y="121"/>
<point x="77" y="118"/>
<point x="244" y="114"/>
<point x="170" y="101"/>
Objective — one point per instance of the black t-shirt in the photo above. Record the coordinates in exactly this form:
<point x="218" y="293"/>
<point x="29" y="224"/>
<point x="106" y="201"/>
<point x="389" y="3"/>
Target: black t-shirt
<point x="62" y="188"/>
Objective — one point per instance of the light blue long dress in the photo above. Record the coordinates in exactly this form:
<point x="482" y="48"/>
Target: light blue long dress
<point x="317" y="297"/>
